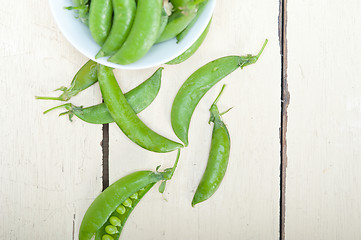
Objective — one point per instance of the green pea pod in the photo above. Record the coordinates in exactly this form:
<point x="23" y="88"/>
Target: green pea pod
<point x="143" y="34"/>
<point x="194" y="88"/>
<point x="115" y="204"/>
<point x="218" y="157"/>
<point x="100" y="19"/>
<point x="127" y="119"/>
<point x="84" y="78"/>
<point x="177" y="22"/>
<point x="192" y="49"/>
<point x="163" y="22"/>
<point x="184" y="33"/>
<point x="124" y="12"/>
<point x="138" y="98"/>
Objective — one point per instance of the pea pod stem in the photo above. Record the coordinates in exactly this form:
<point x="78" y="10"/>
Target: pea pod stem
<point x="84" y="78"/>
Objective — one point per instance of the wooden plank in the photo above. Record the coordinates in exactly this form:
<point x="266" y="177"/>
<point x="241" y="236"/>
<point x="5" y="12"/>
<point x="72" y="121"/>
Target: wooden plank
<point x="323" y="176"/>
<point x="247" y="204"/>
<point x="50" y="169"/>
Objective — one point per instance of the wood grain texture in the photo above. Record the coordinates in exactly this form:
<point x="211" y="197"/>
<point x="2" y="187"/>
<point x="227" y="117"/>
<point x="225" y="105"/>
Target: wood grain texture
<point x="50" y="168"/>
<point x="246" y="206"/>
<point x="323" y="193"/>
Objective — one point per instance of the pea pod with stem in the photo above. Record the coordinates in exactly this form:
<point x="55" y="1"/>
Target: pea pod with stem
<point x="84" y="78"/>
<point x="143" y="34"/>
<point x="138" y="98"/>
<point x="106" y="216"/>
<point x="218" y="157"/>
<point x="192" y="49"/>
<point x="197" y="85"/>
<point x="124" y="12"/>
<point x="125" y="117"/>
<point x="100" y="19"/>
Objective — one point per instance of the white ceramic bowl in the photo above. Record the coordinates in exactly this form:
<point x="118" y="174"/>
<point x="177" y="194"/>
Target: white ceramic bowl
<point x="79" y="36"/>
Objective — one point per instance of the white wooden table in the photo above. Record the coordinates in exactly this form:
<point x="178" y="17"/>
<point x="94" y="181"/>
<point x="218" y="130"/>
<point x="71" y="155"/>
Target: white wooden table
<point x="295" y="165"/>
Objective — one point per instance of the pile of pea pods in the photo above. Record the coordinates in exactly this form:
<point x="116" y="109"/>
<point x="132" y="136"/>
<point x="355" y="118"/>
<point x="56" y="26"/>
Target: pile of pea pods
<point x="127" y="29"/>
<point x="106" y="216"/>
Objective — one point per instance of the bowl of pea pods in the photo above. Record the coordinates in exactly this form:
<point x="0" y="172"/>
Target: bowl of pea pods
<point x="133" y="34"/>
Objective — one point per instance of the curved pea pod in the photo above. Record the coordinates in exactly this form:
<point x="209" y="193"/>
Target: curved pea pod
<point x="125" y="117"/>
<point x="177" y="22"/>
<point x="109" y="212"/>
<point x="192" y="49"/>
<point x="100" y="19"/>
<point x="197" y="85"/>
<point x="124" y="12"/>
<point x="138" y="98"/>
<point x="143" y="34"/>
<point x="218" y="157"/>
<point x="84" y="78"/>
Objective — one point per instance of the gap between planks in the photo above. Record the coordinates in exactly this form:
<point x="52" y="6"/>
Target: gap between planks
<point x="285" y="100"/>
<point x="105" y="160"/>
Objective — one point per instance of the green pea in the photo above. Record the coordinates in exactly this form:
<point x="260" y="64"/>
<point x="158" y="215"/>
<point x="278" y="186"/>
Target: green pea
<point x="121" y="209"/>
<point x="100" y="19"/>
<point x="107" y="237"/>
<point x="134" y="196"/>
<point x="127" y="203"/>
<point x="115" y="221"/>
<point x="143" y="34"/>
<point x="110" y="229"/>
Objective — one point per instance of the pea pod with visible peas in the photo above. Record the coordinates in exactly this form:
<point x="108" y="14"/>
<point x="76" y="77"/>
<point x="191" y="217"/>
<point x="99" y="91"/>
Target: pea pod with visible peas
<point x="84" y="78"/>
<point x="124" y="12"/>
<point x="106" y="216"/>
<point x="143" y="34"/>
<point x="138" y="98"/>
<point x="125" y="117"/>
<point x="194" y="88"/>
<point x="192" y="49"/>
<point x="218" y="157"/>
<point x="100" y="19"/>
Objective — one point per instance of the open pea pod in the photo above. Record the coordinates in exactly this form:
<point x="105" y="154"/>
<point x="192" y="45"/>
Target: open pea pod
<point x="106" y="216"/>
